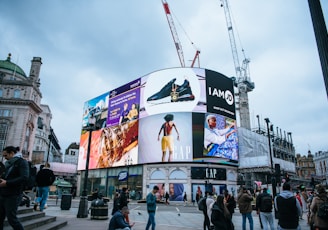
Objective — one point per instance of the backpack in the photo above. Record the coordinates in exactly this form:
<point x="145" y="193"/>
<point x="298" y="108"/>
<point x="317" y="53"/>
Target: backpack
<point x="266" y="204"/>
<point x="323" y="210"/>
<point x="202" y="204"/>
<point x="30" y="183"/>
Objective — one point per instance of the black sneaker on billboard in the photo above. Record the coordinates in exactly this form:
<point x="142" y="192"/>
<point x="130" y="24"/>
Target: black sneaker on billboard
<point x="164" y="92"/>
<point x="182" y="93"/>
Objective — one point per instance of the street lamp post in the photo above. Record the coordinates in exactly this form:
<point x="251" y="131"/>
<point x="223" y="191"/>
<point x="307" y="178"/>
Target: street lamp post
<point x="83" y="205"/>
<point x="49" y="147"/>
<point x="128" y="162"/>
<point x="273" y="180"/>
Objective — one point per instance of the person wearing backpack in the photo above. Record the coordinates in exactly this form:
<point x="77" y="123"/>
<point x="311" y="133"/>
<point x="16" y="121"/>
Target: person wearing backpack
<point x="44" y="178"/>
<point x="202" y="207"/>
<point x="264" y="209"/>
<point x="11" y="186"/>
<point x="319" y="209"/>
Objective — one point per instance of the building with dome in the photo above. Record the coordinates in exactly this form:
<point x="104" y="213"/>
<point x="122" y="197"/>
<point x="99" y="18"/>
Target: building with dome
<point x="24" y="121"/>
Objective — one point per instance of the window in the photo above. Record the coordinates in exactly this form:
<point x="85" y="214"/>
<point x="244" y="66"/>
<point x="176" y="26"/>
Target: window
<point x="178" y="174"/>
<point x="3" y="134"/>
<point x="158" y="174"/>
<point x="5" y="113"/>
<point x="0" y="92"/>
<point x="17" y="93"/>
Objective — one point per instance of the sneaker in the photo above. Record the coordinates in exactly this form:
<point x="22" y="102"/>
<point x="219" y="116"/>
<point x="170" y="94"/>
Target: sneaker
<point x="35" y="206"/>
<point x="182" y="93"/>
<point x="164" y="92"/>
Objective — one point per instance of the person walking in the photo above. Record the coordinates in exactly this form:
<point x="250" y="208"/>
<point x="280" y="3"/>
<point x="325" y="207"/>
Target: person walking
<point x="288" y="208"/>
<point x="118" y="222"/>
<point x="123" y="201"/>
<point x="209" y="203"/>
<point x="185" y="197"/>
<point x="167" y="196"/>
<point x="116" y="203"/>
<point x="319" y="204"/>
<point x="151" y="208"/>
<point x="244" y="200"/>
<point x="11" y="186"/>
<point x="264" y="209"/>
<point x="44" y="178"/>
<point x="220" y="216"/>
<point x="230" y="202"/>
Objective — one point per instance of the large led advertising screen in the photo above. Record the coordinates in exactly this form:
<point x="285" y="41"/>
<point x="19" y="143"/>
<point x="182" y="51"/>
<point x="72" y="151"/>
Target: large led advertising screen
<point x="171" y="115"/>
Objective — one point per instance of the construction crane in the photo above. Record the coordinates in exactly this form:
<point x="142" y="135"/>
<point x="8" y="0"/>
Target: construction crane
<point x="242" y="79"/>
<point x="175" y="36"/>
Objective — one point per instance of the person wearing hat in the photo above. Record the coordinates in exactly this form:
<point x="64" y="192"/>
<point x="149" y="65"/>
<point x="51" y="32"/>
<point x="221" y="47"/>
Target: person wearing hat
<point x="213" y="137"/>
<point x="167" y="139"/>
<point x="316" y="221"/>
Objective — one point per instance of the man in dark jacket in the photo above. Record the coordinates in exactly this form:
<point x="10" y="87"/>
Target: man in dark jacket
<point x="118" y="220"/>
<point x="288" y="208"/>
<point x="44" y="178"/>
<point x="11" y="186"/>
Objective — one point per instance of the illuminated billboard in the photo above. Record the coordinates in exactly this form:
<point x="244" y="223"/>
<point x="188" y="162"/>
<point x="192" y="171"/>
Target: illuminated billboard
<point x="171" y="115"/>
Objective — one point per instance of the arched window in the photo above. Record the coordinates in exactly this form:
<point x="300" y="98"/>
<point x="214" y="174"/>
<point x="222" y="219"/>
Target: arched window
<point x="17" y="93"/>
<point x="158" y="174"/>
<point x="178" y="174"/>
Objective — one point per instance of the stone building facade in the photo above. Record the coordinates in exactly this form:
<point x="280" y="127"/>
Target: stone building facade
<point x="24" y="121"/>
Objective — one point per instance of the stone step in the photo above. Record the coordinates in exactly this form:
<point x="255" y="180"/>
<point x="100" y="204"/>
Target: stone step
<point x="31" y="220"/>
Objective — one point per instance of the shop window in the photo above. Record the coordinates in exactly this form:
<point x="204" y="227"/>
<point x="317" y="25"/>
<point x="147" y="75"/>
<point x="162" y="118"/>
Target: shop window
<point x="178" y="174"/>
<point x="158" y="174"/>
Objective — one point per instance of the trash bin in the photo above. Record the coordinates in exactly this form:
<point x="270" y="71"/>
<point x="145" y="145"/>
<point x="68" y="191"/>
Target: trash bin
<point x="66" y="201"/>
<point x="99" y="209"/>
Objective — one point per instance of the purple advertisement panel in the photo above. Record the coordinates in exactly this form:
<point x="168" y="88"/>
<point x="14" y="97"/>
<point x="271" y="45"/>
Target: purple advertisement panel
<point x="174" y="90"/>
<point x="97" y="108"/>
<point x="124" y="103"/>
<point x="165" y="137"/>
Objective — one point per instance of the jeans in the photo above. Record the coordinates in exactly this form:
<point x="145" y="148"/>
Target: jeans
<point x="8" y="207"/>
<point x="267" y="220"/>
<point x="151" y="221"/>
<point x="250" y="220"/>
<point x="43" y="193"/>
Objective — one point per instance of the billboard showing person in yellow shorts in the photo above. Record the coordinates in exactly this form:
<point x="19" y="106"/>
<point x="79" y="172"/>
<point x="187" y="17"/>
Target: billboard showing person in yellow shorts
<point x="167" y="139"/>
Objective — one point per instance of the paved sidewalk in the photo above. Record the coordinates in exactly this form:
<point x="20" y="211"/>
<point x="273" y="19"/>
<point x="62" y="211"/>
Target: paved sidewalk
<point x="164" y="219"/>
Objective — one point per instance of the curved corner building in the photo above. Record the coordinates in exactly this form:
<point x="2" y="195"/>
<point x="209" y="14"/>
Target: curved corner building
<point x="175" y="128"/>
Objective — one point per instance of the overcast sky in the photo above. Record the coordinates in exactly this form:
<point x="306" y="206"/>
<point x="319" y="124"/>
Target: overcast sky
<point x="90" y="47"/>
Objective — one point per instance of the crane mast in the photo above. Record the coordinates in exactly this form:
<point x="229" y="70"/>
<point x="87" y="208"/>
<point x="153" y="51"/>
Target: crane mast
<point x="174" y="33"/>
<point x="242" y="80"/>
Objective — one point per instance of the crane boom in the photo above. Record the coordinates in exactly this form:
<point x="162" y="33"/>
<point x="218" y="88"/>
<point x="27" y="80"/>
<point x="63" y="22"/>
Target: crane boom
<point x="174" y="33"/>
<point x="242" y="81"/>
